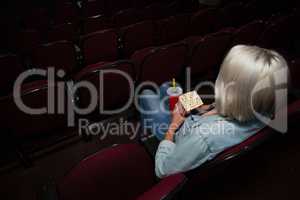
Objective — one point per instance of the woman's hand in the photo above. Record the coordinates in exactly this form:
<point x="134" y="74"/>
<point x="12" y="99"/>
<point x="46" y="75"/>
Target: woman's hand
<point x="178" y="117"/>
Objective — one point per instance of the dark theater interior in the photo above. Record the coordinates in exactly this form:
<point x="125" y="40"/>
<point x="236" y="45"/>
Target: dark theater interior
<point x="74" y="73"/>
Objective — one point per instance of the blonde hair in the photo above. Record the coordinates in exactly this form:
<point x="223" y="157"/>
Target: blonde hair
<point x="245" y="69"/>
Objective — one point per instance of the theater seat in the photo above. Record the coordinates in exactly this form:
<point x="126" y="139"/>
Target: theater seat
<point x="137" y="36"/>
<point x="172" y="29"/>
<point x="219" y="163"/>
<point x="96" y="23"/>
<point x="160" y="64"/>
<point x="249" y="33"/>
<point x="61" y="32"/>
<point x="125" y="17"/>
<point x="33" y="132"/>
<point x="65" y="12"/>
<point x="112" y="93"/>
<point x="60" y="55"/>
<point x="100" y="46"/>
<point x="205" y="21"/>
<point x="208" y="53"/>
<point x="92" y="7"/>
<point x="121" y="172"/>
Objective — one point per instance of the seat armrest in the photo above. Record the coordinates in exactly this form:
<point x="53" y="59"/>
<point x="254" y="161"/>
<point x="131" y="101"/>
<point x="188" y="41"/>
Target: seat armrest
<point x="165" y="189"/>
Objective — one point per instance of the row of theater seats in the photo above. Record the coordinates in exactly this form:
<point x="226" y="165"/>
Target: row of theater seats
<point x="99" y="174"/>
<point x="277" y="33"/>
<point x="202" y="54"/>
<point x="155" y="64"/>
<point x="24" y="41"/>
<point x="39" y="27"/>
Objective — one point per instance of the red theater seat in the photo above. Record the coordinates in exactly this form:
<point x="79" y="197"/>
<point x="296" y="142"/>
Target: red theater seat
<point x="211" y="168"/>
<point x="92" y="7"/>
<point x="61" y="32"/>
<point x="173" y="28"/>
<point x="60" y="55"/>
<point x="96" y="23"/>
<point x="249" y="33"/>
<point x="137" y="36"/>
<point x="113" y="92"/>
<point x="33" y="132"/>
<point x="11" y="68"/>
<point x="208" y="53"/>
<point x="121" y="172"/>
<point x="160" y="64"/>
<point x="100" y="46"/>
<point x="278" y="35"/>
<point x="125" y="17"/>
<point x="65" y="12"/>
<point x="205" y="21"/>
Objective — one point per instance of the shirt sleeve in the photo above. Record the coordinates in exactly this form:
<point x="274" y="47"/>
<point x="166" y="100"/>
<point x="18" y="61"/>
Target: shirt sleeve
<point x="172" y="158"/>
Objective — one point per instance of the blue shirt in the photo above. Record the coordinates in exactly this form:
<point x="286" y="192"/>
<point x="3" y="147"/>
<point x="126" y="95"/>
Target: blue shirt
<point x="200" y="139"/>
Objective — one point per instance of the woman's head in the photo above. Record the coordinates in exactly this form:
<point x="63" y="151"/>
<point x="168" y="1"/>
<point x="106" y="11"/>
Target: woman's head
<point x="246" y="82"/>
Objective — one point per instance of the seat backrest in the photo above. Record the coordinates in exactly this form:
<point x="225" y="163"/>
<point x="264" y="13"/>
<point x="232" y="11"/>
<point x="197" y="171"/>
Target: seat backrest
<point x="113" y="91"/>
<point x="100" y="46"/>
<point x="121" y="172"/>
<point x="172" y="29"/>
<point x="11" y="69"/>
<point x="233" y="14"/>
<point x="60" y="55"/>
<point x="137" y="36"/>
<point x="208" y="53"/>
<point x="125" y="17"/>
<point x="92" y="7"/>
<point x="249" y="33"/>
<point x="65" y="12"/>
<point x="61" y="32"/>
<point x="96" y="23"/>
<point x="26" y="125"/>
<point x="160" y="64"/>
<point x="204" y="22"/>
<point x="277" y="35"/>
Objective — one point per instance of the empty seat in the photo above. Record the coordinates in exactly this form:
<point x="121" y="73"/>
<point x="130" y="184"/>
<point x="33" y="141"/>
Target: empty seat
<point x="160" y="64"/>
<point x="60" y="55"/>
<point x="205" y="21"/>
<point x="100" y="46"/>
<point x="92" y="7"/>
<point x="249" y="33"/>
<point x="114" y="174"/>
<point x="35" y="130"/>
<point x="154" y="11"/>
<point x="11" y="68"/>
<point x="208" y="53"/>
<point x="61" y="32"/>
<point x="96" y="23"/>
<point x="113" y="6"/>
<point x="113" y="91"/>
<point x="278" y="34"/>
<point x="125" y="17"/>
<point x="65" y="12"/>
<point x="172" y="29"/>
<point x="233" y="14"/>
<point x="137" y="36"/>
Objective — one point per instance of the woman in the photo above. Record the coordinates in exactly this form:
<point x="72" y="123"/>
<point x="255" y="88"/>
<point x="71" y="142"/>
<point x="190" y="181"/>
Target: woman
<point x="188" y="142"/>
